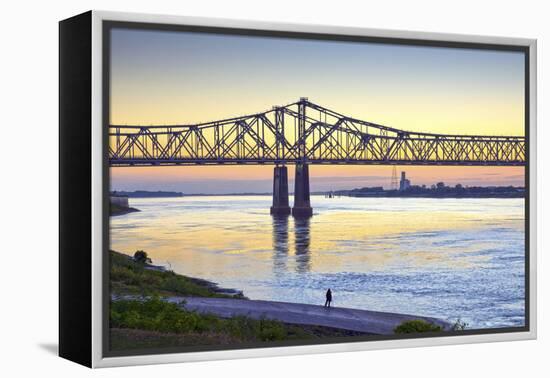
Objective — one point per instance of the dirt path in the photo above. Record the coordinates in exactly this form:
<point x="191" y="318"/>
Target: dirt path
<point x="296" y="313"/>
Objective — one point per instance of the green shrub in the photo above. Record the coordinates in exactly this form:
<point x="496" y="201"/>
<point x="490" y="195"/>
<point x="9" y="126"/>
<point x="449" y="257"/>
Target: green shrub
<point x="271" y="330"/>
<point x="152" y="315"/>
<point x="416" y="326"/>
<point x="141" y="257"/>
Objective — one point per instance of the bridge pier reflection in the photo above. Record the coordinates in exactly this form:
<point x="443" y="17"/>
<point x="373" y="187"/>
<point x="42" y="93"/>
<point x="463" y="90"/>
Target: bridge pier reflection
<point x="302" y="241"/>
<point x="280" y="192"/>
<point x="302" y="206"/>
<point x="282" y="247"/>
<point x="280" y="243"/>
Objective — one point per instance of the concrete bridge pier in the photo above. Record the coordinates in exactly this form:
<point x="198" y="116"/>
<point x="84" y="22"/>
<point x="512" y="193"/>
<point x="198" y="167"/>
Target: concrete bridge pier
<point x="280" y="192"/>
<point x="302" y="206"/>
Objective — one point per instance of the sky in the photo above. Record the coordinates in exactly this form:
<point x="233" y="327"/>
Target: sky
<point x="164" y="77"/>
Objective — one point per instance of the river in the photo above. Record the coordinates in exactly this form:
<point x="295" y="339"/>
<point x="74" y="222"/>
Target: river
<point x="446" y="258"/>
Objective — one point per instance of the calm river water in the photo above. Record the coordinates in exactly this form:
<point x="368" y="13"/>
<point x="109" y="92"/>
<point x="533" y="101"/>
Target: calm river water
<point x="447" y="258"/>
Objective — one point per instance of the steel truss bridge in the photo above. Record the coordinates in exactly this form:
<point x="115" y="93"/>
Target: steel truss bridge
<point x="304" y="133"/>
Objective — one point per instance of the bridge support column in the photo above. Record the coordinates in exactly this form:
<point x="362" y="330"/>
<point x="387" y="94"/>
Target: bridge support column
<point x="302" y="206"/>
<point x="280" y="192"/>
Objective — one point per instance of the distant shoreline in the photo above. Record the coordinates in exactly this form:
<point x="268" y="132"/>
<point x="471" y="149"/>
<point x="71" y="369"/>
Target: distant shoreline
<point x="439" y="196"/>
<point x="365" y="195"/>
<point x="439" y="190"/>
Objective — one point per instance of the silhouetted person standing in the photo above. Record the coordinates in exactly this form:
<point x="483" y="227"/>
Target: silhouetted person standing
<point x="329" y="298"/>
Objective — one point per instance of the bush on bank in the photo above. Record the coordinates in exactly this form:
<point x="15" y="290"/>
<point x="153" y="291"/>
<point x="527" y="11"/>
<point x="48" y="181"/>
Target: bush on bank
<point x="416" y="326"/>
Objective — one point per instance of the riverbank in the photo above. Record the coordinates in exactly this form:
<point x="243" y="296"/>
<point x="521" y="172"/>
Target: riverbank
<point x="437" y="191"/>
<point x="129" y="277"/>
<point x="115" y="210"/>
<point x="364" y="321"/>
<point x="432" y="195"/>
<point x="154" y="307"/>
<point x="145" y="314"/>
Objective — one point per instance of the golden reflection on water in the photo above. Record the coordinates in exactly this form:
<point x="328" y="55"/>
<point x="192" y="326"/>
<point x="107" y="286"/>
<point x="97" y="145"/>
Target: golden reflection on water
<point x="444" y="258"/>
<point x="380" y="228"/>
<point x="202" y="237"/>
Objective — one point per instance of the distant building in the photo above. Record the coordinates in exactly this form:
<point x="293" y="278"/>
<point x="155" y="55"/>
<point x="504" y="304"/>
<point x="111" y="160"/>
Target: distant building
<point x="373" y="189"/>
<point x="404" y="183"/>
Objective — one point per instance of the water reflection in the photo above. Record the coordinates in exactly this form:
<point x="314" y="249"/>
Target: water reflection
<point x="280" y="243"/>
<point x="281" y="248"/>
<point x="456" y="258"/>
<point x="302" y="234"/>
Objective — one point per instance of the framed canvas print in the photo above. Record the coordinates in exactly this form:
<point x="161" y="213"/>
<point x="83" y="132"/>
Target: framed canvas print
<point x="234" y="189"/>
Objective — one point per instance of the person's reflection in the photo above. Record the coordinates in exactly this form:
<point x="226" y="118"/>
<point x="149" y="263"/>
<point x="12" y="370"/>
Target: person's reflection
<point x="280" y="242"/>
<point x="301" y="243"/>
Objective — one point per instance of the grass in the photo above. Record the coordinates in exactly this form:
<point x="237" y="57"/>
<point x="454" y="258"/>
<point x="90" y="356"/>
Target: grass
<point x="128" y="277"/>
<point x="123" y="339"/>
<point x="157" y="315"/>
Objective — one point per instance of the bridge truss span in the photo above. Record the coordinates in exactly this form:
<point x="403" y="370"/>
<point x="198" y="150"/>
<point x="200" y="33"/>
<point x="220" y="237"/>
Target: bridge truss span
<point x="301" y="133"/>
